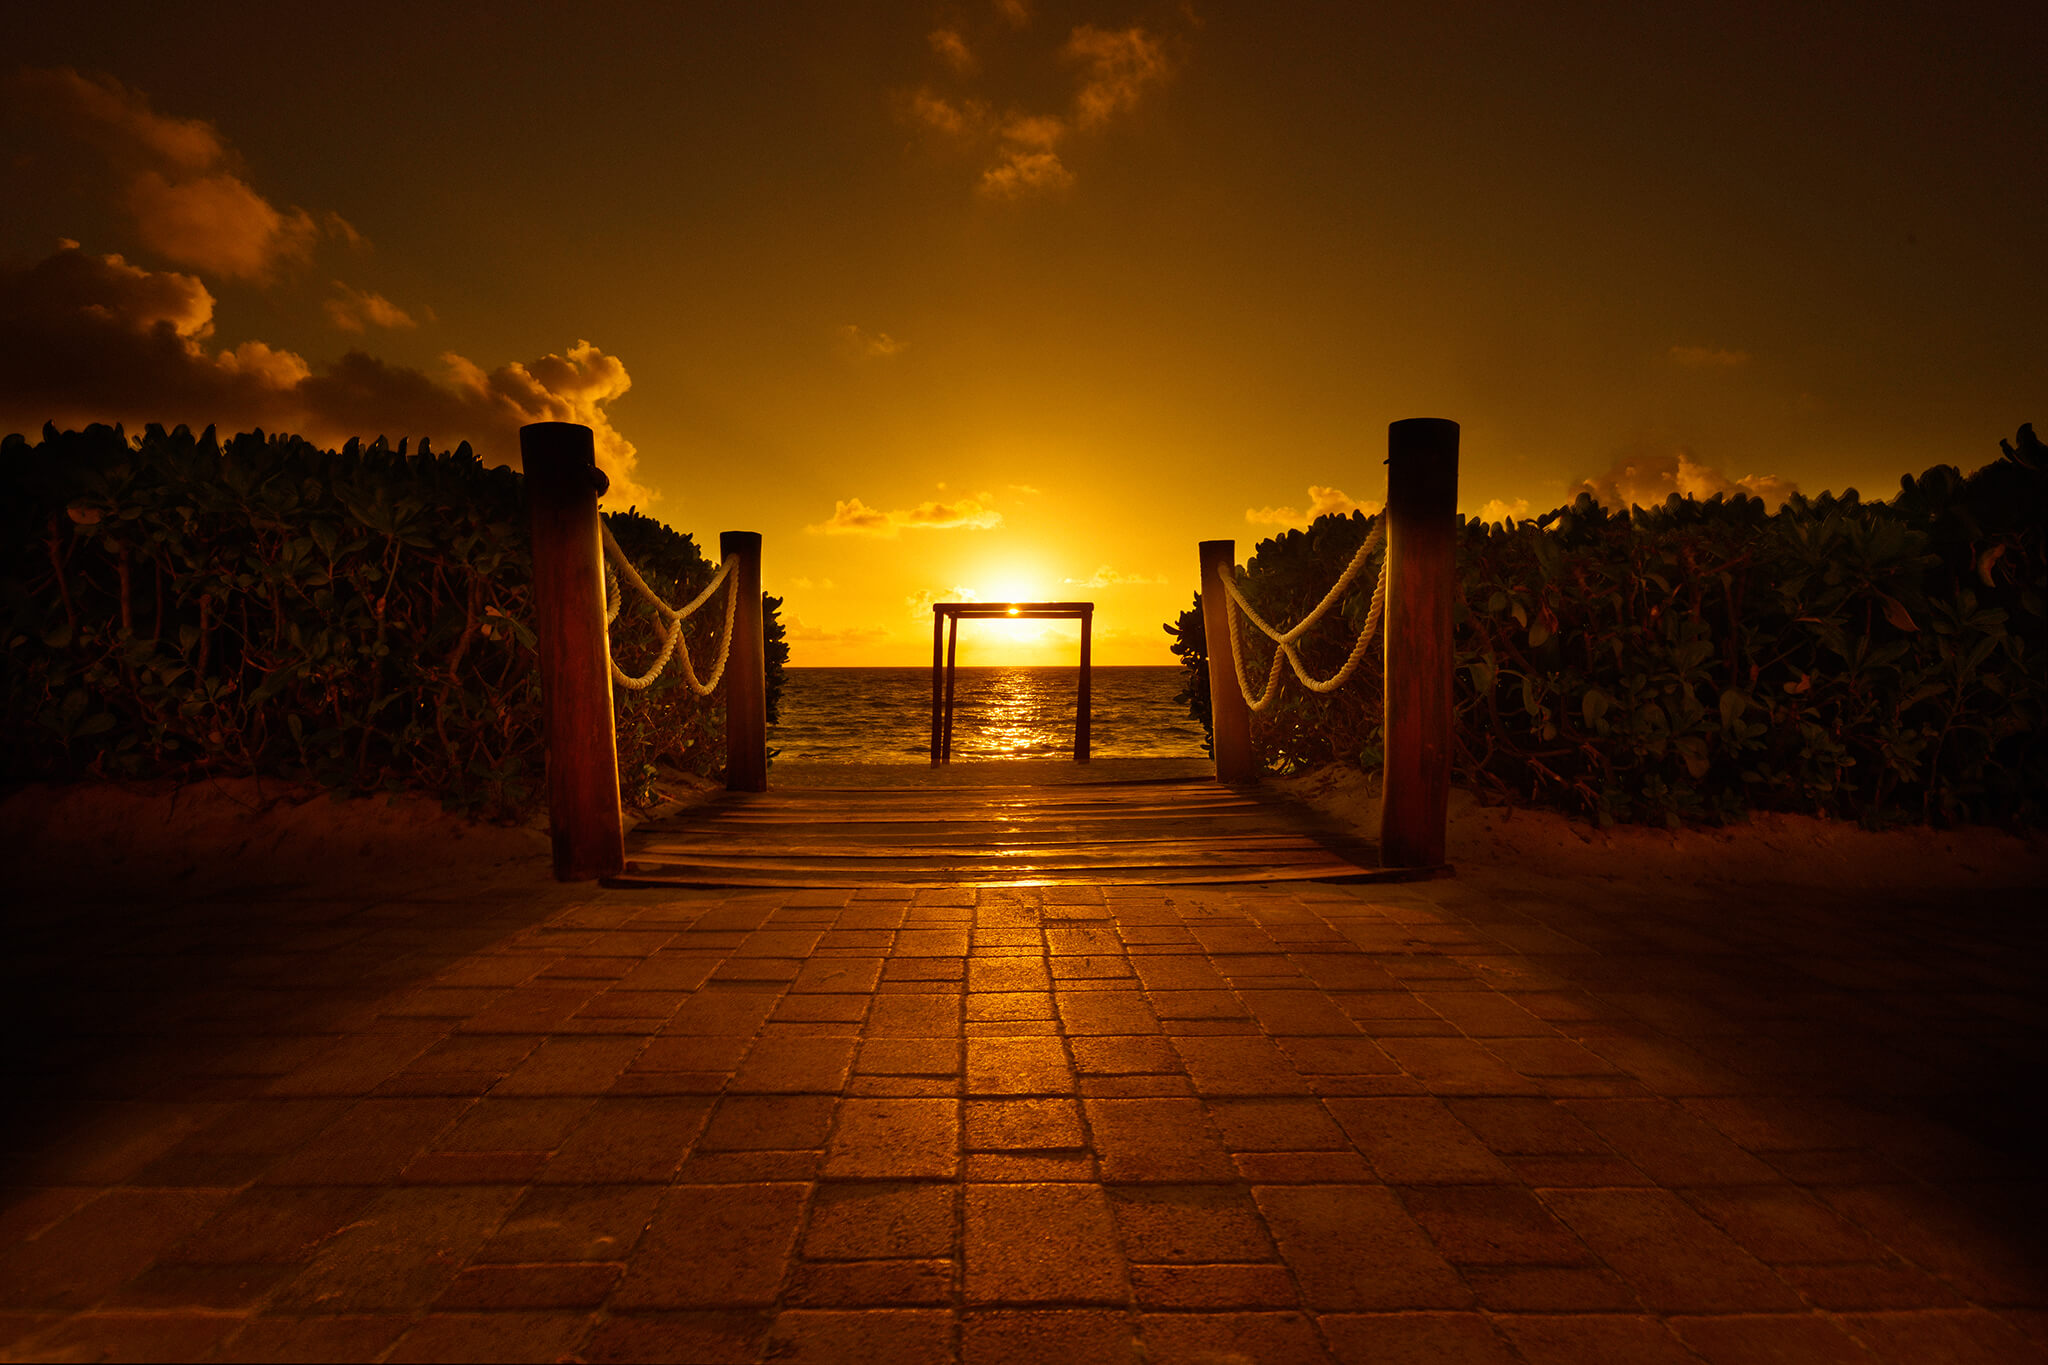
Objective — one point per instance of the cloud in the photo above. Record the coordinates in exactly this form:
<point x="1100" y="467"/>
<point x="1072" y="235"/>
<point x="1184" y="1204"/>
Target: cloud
<point x="1024" y="174"/>
<point x="1022" y="153"/>
<point x="1116" y="68"/>
<point x="88" y="338"/>
<point x="959" y="119"/>
<point x="352" y="310"/>
<point x="1017" y="12"/>
<point x="1106" y="577"/>
<point x="1498" y="510"/>
<point x="1708" y="357"/>
<point x="921" y="604"/>
<point x="851" y="516"/>
<point x="866" y="345"/>
<point x="1322" y="501"/>
<point x="177" y="179"/>
<point x="952" y="49"/>
<point x="1645" y="478"/>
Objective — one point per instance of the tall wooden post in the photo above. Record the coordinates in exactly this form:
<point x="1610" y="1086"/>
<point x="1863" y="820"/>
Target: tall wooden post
<point x="952" y="658"/>
<point x="1230" y="720"/>
<point x="562" y="487"/>
<point x="1422" y="582"/>
<point x="746" y="671"/>
<point x="1084" y="704"/>
<point x="938" y="662"/>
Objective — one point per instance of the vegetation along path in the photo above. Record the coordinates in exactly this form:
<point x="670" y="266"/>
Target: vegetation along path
<point x="1507" y="1117"/>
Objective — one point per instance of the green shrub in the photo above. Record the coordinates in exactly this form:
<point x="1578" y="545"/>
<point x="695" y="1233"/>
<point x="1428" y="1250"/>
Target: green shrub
<point x="1875" y="661"/>
<point x="360" y="618"/>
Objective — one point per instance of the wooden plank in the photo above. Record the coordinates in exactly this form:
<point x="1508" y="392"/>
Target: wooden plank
<point x="1171" y="832"/>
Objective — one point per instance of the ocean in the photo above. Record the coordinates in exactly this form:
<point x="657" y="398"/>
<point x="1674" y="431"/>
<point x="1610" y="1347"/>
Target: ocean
<point x="884" y="715"/>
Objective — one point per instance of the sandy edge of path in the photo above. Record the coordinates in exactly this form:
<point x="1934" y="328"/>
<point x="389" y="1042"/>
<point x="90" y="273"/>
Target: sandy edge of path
<point x="1768" y="849"/>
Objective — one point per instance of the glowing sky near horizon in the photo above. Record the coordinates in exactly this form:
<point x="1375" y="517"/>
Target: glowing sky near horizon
<point x="1021" y="300"/>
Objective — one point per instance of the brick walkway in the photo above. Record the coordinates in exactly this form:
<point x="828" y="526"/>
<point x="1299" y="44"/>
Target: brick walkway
<point x="1459" y="1121"/>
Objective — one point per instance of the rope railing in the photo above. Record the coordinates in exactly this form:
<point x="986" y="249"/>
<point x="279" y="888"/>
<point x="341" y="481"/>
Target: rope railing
<point x="672" y="643"/>
<point x="1284" y="642"/>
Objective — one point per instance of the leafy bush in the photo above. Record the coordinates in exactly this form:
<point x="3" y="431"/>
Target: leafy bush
<point x="1876" y="661"/>
<point x="360" y="618"/>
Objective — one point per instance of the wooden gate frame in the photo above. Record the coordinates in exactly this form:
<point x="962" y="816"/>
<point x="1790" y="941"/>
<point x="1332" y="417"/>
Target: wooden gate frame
<point x="945" y="649"/>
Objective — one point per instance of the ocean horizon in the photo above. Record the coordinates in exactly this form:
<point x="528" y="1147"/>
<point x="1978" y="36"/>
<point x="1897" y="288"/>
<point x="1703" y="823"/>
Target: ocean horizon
<point x="883" y="714"/>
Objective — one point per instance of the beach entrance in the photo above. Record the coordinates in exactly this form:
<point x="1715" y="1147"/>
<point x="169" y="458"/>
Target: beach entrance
<point x="946" y="618"/>
<point x="1185" y="829"/>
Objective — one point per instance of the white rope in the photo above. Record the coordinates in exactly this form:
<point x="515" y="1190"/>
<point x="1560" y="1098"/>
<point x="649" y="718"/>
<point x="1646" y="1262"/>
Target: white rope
<point x="672" y="642"/>
<point x="1284" y="649"/>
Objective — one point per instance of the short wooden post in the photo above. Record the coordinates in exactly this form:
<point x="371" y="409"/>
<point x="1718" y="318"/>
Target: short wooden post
<point x="1422" y="583"/>
<point x="952" y="658"/>
<point x="1230" y="720"/>
<point x="938" y="662"/>
<point x="1085" y="703"/>
<point x="746" y="671"/>
<point x="562" y="487"/>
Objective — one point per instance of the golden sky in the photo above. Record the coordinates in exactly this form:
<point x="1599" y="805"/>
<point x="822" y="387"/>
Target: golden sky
<point x="1016" y="299"/>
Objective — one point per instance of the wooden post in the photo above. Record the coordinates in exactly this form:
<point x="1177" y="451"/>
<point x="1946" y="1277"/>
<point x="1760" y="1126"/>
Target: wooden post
<point x="938" y="662"/>
<point x="1422" y="582"/>
<point x="562" y="487"/>
<point x="952" y="656"/>
<point x="1084" y="704"/>
<point x="1230" y="720"/>
<point x="746" y="671"/>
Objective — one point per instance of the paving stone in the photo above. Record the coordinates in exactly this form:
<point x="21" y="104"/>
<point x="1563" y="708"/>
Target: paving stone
<point x="795" y="1065"/>
<point x="1414" y="1339"/>
<point x="1491" y="1225"/>
<point x="895" y="1139"/>
<point x="1275" y="1125"/>
<point x="312" y="1339"/>
<point x="623" y="1139"/>
<point x="1353" y="1247"/>
<point x="1114" y="1012"/>
<point x="1189" y="1223"/>
<point x="1594" y="1339"/>
<point x="369" y="1144"/>
<point x="869" y="1284"/>
<point x="1282" y="1336"/>
<point x="1673" y="1258"/>
<point x="1456" y="1066"/>
<point x="1023" y="1125"/>
<point x="572" y="1223"/>
<point x="1018" y="1066"/>
<point x="268" y="1223"/>
<point x="1739" y="1338"/>
<point x="714" y="1246"/>
<point x="723" y="1014"/>
<point x="910" y="1057"/>
<point x="1239" y="1066"/>
<point x="1042" y="1244"/>
<point x="491" y="1336"/>
<point x="768" y="1123"/>
<point x="914" y="1016"/>
<point x="865" y="1220"/>
<point x="1035" y="1336"/>
<point x="1414" y="1141"/>
<point x="1125" y="1055"/>
<point x="494" y="1287"/>
<point x="1670" y="1145"/>
<point x="129" y="1336"/>
<point x="401" y="1252"/>
<point x="1167" y="1140"/>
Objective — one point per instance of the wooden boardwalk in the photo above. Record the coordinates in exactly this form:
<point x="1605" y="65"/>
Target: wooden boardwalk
<point x="1160" y="833"/>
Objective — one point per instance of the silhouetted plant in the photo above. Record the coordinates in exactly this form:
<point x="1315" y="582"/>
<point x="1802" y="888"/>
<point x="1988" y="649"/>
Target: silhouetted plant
<point x="1875" y="661"/>
<point x="359" y="618"/>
